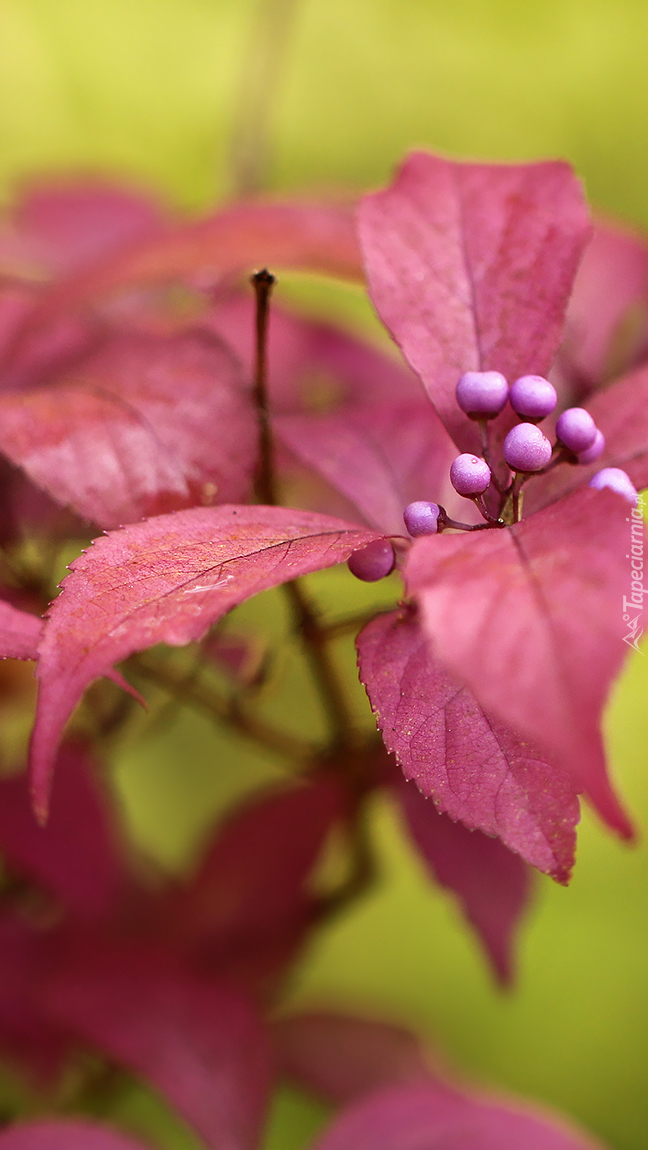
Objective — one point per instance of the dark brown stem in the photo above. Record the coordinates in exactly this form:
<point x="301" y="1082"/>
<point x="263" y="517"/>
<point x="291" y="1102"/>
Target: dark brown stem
<point x="265" y="487"/>
<point x="229" y="711"/>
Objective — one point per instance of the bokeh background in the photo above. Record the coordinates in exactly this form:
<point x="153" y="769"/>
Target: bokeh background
<point x="192" y="99"/>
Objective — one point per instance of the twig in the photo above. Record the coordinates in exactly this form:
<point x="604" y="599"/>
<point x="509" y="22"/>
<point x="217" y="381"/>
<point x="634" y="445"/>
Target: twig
<point x="263" y="282"/>
<point x="203" y="698"/>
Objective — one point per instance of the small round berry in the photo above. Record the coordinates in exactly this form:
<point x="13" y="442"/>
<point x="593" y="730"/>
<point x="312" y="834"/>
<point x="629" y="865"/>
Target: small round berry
<point x="617" y="480"/>
<point x="526" y="448"/>
<point x="595" y="451"/>
<point x="533" y="397"/>
<point x="576" y="429"/>
<point x="470" y="475"/>
<point x="372" y="562"/>
<point x="482" y="394"/>
<point x="422" y="518"/>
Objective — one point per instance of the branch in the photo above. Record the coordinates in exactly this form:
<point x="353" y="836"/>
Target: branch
<point x="224" y="710"/>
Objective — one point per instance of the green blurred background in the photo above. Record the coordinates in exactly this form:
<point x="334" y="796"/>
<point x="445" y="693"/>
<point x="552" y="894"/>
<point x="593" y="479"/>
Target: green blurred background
<point x="150" y="90"/>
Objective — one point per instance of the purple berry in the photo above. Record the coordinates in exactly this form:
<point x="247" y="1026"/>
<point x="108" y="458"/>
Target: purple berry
<point x="526" y="448"/>
<point x="470" y="475"/>
<point x="533" y="397"/>
<point x="372" y="562"/>
<point x="595" y="451"/>
<point x="576" y="429"/>
<point x="422" y="518"/>
<point x="482" y="394"/>
<point x="617" y="480"/>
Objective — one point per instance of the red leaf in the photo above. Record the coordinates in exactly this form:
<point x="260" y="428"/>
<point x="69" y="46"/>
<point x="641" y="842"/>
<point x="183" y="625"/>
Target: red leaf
<point x="382" y="458"/>
<point x="47" y="348"/>
<point x="68" y="224"/>
<point x="19" y="633"/>
<point x="303" y="236"/>
<point x="66" y="1134"/>
<point x="606" y="324"/>
<point x="166" y="581"/>
<point x="148" y="424"/>
<point x="76" y="856"/>
<point x="492" y="884"/>
<point x="339" y="1058"/>
<point x="423" y="1117"/>
<point x="470" y="267"/>
<point x="472" y="765"/>
<point x="530" y="619"/>
<point x="197" y="1042"/>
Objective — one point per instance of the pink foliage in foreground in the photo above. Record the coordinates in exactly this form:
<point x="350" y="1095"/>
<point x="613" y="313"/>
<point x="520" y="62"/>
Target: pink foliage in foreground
<point x="166" y="581"/>
<point x="109" y="439"/>
<point x="422" y="1117"/>
<point x="488" y="680"/>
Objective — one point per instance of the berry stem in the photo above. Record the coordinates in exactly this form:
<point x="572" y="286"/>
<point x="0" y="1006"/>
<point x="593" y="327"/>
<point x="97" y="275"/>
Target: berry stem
<point x="486" y="454"/>
<point x="517" y="495"/>
<point x="457" y="526"/>
<point x="492" y="519"/>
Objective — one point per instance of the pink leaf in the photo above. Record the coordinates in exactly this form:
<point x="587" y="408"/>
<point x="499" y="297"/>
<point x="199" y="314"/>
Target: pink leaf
<point x="530" y="619"/>
<point x="148" y="424"/>
<point x="72" y="223"/>
<point x="302" y="236"/>
<point x="492" y="884"/>
<point x="470" y="267"/>
<point x="606" y="324"/>
<point x="66" y="1134"/>
<point x="474" y="767"/>
<point x="427" y="1117"/>
<point x="167" y="580"/>
<point x="47" y="348"/>
<point x="76" y="856"/>
<point x="382" y="457"/>
<point x="197" y="1042"/>
<point x="19" y="633"/>
<point x="339" y="1058"/>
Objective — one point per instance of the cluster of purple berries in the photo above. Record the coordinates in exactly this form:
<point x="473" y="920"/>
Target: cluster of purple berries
<point x="482" y="395"/>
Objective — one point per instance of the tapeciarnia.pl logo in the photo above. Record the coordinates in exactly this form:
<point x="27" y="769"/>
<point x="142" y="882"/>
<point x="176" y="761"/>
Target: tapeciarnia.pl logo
<point x="633" y="605"/>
